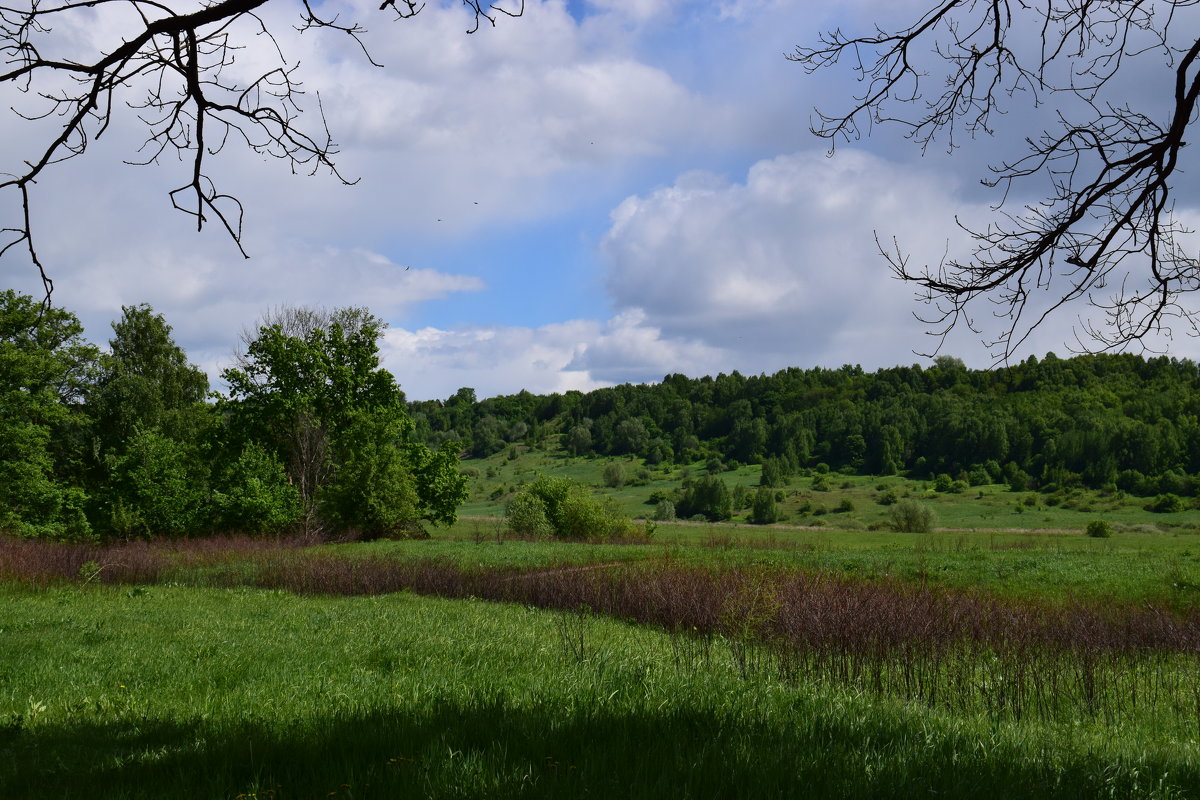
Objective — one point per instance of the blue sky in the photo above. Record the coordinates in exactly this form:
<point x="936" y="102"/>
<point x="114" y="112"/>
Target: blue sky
<point x="600" y="191"/>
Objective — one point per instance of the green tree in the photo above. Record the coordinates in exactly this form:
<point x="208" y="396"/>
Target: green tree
<point x="254" y="496"/>
<point x="145" y="382"/>
<point x="764" y="510"/>
<point x="579" y="440"/>
<point x="708" y="496"/>
<point x="614" y="475"/>
<point x="45" y="370"/>
<point x="526" y="515"/>
<point x="154" y="490"/>
<point x="318" y="399"/>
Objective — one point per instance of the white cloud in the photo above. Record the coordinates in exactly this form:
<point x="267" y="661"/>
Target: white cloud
<point x="579" y="354"/>
<point x="783" y="269"/>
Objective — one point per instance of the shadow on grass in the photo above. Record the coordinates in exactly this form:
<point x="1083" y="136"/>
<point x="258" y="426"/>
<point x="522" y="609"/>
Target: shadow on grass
<point x="492" y="750"/>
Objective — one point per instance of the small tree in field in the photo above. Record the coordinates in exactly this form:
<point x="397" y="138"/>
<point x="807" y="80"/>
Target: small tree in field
<point x="910" y="516"/>
<point x="614" y="475"/>
<point x="764" y="511"/>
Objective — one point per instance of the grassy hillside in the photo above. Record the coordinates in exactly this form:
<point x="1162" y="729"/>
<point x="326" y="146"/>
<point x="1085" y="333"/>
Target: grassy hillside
<point x="985" y="507"/>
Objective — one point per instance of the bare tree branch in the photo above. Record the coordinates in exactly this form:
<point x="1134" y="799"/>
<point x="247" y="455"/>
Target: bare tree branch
<point x="172" y="67"/>
<point x="1105" y="232"/>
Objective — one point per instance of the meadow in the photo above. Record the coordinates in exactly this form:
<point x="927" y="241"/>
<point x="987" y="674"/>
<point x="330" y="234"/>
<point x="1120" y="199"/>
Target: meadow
<point x="701" y="660"/>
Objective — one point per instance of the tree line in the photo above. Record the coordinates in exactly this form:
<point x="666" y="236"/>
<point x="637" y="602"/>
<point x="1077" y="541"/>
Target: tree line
<point x="129" y="442"/>
<point x="1101" y="420"/>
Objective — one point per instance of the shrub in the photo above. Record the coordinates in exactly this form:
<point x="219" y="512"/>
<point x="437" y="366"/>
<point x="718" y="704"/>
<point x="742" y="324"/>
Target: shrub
<point x="844" y="507"/>
<point x="708" y="496"/>
<point x="614" y="475"/>
<point x="1166" y="504"/>
<point x="887" y="498"/>
<point x="526" y="515"/>
<point x="764" y="511"/>
<point x="664" y="511"/>
<point x="1099" y="529"/>
<point x="910" y="516"/>
<point x="820" y="483"/>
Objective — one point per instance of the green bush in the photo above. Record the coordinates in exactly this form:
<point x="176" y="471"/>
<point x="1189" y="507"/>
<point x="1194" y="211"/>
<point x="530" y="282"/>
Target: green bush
<point x="910" y="516"/>
<point x="1099" y="529"/>
<point x="614" y="475"/>
<point x="1166" y="504"/>
<point x="664" y="511"/>
<point x="526" y="514"/>
<point x="764" y="510"/>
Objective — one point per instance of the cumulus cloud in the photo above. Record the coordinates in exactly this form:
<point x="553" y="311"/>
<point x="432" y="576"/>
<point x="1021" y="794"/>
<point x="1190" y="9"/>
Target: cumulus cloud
<point x="782" y="268"/>
<point x="579" y="354"/>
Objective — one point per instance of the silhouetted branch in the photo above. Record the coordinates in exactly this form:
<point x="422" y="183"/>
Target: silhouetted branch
<point x="1107" y="216"/>
<point x="172" y="66"/>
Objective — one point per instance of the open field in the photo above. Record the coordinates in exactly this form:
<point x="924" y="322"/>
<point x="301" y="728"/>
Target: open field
<point x="987" y="507"/>
<point x="704" y="660"/>
<point x="723" y="663"/>
<point x="176" y="691"/>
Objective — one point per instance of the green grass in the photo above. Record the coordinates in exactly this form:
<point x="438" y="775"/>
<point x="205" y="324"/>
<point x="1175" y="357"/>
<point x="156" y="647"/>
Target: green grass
<point x="1130" y="568"/>
<point x="169" y="691"/>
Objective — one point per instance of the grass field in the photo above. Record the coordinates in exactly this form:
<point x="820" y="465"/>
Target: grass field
<point x="989" y="507"/>
<point x="185" y="692"/>
<point x="707" y="660"/>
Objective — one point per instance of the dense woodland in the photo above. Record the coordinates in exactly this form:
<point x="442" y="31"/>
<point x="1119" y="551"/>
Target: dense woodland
<point x="311" y="433"/>
<point x="129" y="443"/>
<point x="1093" y="420"/>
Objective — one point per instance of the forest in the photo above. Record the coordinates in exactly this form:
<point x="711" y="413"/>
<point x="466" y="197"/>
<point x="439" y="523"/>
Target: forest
<point x="312" y="434"/>
<point x="1118" y="420"/>
<point x="129" y="442"/>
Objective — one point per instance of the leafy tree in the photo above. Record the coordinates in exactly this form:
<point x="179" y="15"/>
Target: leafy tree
<point x="526" y="515"/>
<point x="337" y="421"/>
<point x="155" y="488"/>
<point x="708" y="496"/>
<point x="145" y="381"/>
<point x="253" y="494"/>
<point x="909" y="516"/>
<point x="569" y="510"/>
<point x="764" y="510"/>
<point x="579" y="440"/>
<point x="614" y="475"/>
<point x="45" y="369"/>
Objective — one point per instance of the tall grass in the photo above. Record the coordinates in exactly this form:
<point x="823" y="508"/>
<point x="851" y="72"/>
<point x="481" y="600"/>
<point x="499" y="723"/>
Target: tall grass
<point x="168" y="691"/>
<point x="962" y="651"/>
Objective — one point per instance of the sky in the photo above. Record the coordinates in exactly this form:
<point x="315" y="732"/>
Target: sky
<point x="600" y="191"/>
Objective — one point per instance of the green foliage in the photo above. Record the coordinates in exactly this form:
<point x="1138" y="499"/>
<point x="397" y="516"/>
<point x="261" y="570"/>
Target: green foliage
<point x="253" y="494"/>
<point x="569" y="510"/>
<point x="664" y="511"/>
<point x="45" y="368"/>
<point x="887" y="497"/>
<point x="910" y="516"/>
<point x="614" y="475"/>
<point x="526" y="515"/>
<point x="708" y="496"/>
<point x="157" y="488"/>
<point x="1166" y="504"/>
<point x="316" y="396"/>
<point x="578" y="440"/>
<point x="764" y="510"/>
<point x="145" y="382"/>
<point x="1099" y="529"/>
